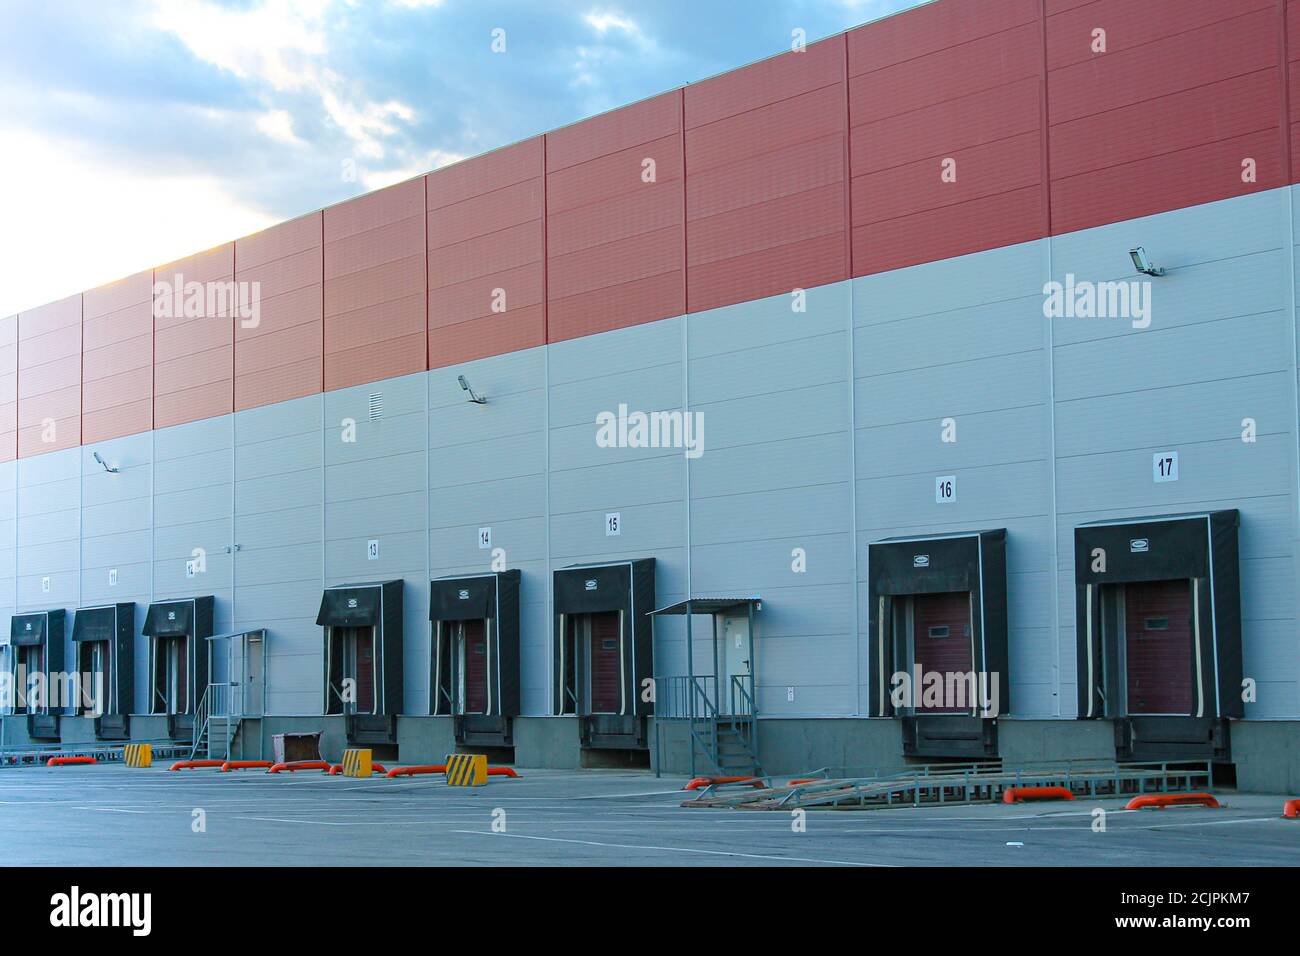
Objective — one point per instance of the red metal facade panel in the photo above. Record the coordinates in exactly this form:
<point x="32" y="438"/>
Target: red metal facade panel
<point x="933" y="28"/>
<point x="614" y="206"/>
<point x="764" y="179"/>
<point x="765" y="190"/>
<point x="375" y="293"/>
<point x="193" y="376"/>
<point x="1293" y="83"/>
<point x="946" y="148"/>
<point x="1166" y="117"/>
<point x="49" y="378"/>
<point x="485" y="249"/>
<point x="117" y="359"/>
<point x="9" y="388"/>
<point x="279" y="352"/>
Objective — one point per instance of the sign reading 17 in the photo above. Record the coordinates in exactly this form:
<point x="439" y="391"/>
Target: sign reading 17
<point x="1164" y="466"/>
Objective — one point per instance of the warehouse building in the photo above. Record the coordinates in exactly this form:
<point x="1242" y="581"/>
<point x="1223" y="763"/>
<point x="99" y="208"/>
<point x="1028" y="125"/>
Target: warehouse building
<point x="699" y="431"/>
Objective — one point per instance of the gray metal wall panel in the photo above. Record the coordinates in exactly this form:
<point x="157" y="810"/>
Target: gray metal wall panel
<point x="774" y="481"/>
<point x="376" y="487"/>
<point x="1220" y="348"/>
<point x="279" y="566"/>
<point x="640" y="367"/>
<point x="963" y="339"/>
<point x="788" y="446"/>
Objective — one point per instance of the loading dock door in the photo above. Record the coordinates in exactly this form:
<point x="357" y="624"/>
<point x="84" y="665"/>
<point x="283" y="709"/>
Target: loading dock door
<point x="941" y="632"/>
<point x="37" y="693"/>
<point x="474" y="663"/>
<point x="1158" y="647"/>
<point x="363" y="641"/>
<point x="95" y="677"/>
<point x="351" y="666"/>
<point x="605" y="656"/>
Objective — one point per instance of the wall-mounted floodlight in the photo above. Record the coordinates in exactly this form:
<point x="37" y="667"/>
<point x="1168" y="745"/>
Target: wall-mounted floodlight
<point x="107" y="468"/>
<point x="476" y="399"/>
<point x="1143" y="264"/>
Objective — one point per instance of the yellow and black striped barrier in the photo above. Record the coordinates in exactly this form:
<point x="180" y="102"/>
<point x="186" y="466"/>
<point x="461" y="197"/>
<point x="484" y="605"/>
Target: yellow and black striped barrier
<point x="138" y="755"/>
<point x="466" y="770"/>
<point x="357" y="763"/>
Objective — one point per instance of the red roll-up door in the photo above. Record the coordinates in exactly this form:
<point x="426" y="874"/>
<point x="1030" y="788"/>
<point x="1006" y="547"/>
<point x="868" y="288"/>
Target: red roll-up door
<point x="605" y="663"/>
<point x="365" y="638"/>
<point x="476" y="669"/>
<point x="1158" y="647"/>
<point x="941" y="629"/>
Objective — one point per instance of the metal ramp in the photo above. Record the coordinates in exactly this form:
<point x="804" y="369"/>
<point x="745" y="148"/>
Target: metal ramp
<point x="103" y="753"/>
<point x="960" y="784"/>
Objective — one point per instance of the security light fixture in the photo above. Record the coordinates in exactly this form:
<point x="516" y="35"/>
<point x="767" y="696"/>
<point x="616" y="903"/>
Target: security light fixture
<point x="1143" y="264"/>
<point x="476" y="399"/>
<point x="107" y="468"/>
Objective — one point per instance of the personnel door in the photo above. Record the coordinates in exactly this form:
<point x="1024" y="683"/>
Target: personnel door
<point x="736" y="661"/>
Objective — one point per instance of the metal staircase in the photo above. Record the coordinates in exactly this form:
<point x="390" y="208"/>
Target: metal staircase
<point x="723" y="741"/>
<point x="215" y="727"/>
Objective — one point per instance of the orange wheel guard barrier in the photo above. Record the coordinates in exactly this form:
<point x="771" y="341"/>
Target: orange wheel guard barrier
<point x="442" y="768"/>
<point x="1291" y="809"/>
<point x="64" y="761"/>
<point x="195" y="764"/>
<point x="336" y="769"/>
<point x="298" y="765"/>
<point x="1020" y="794"/>
<point x="412" y="771"/>
<point x="1162" y="800"/>
<point x="699" y="782"/>
<point x="230" y="765"/>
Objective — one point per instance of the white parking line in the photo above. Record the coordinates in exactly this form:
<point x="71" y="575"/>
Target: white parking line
<point x="678" y="849"/>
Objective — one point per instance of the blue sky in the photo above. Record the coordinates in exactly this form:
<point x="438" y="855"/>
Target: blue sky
<point x="137" y="131"/>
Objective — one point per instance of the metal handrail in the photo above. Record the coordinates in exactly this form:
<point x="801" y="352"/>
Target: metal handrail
<point x="200" y="720"/>
<point x="683" y="697"/>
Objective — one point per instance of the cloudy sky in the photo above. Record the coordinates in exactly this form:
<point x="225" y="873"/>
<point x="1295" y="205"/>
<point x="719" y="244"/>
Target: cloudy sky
<point x="133" y="132"/>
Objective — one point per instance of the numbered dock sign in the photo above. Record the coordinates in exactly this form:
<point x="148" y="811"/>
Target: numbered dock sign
<point x="945" y="489"/>
<point x="1164" y="466"/>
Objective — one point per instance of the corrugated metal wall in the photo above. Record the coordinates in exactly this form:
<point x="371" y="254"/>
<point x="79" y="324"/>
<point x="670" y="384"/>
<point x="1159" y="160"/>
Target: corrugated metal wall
<point x="117" y="359"/>
<point x="193" y="373"/>
<point x="49" y="377"/>
<point x="486" y="248"/>
<point x="279" y="350"/>
<point x="375" y="286"/>
<point x="614" y="254"/>
<point x="9" y="388"/>
<point x="823" y="412"/>
<point x="955" y="127"/>
<point x="766" y="203"/>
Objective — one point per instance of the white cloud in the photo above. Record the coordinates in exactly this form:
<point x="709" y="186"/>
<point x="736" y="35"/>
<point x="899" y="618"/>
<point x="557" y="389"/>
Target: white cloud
<point x="283" y="47"/>
<point x="278" y="125"/>
<point x="434" y="159"/>
<point x="602" y="21"/>
<point x="84" y="224"/>
<point x="276" y="41"/>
